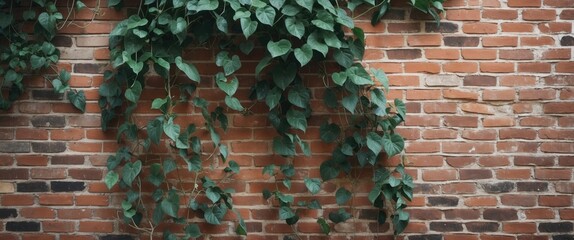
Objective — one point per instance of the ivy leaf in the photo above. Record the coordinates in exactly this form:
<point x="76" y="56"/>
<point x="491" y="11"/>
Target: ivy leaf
<point x="378" y="98"/>
<point x="328" y="170"/>
<point x="212" y="195"/>
<point x="37" y="62"/>
<point x="316" y="42"/>
<point x="284" y="75"/>
<point x="286" y="212"/>
<point x="155" y="130"/>
<point x="48" y="22"/>
<point x="359" y="76"/>
<point x="130" y="172"/>
<point x="329" y="132"/>
<point x="297" y="119"/>
<point x="325" y="228"/>
<point x="339" y="216"/>
<point x="277" y="3"/>
<point x="374" y="194"/>
<point x="273" y="97"/>
<point x="228" y="86"/>
<point x="241" y="227"/>
<point x="246" y="47"/>
<point x="233" y="167"/>
<point x="279" y="48"/>
<point x="221" y="23"/>
<point x="26" y="15"/>
<point x="330" y="98"/>
<point x="133" y="93"/>
<point x="233" y="103"/>
<point x="171" y="129"/>
<point x="307" y="4"/>
<point x="265" y="15"/>
<point x="375" y="142"/>
<point x="169" y="165"/>
<point x="343" y="57"/>
<point x="393" y="144"/>
<point x="295" y="27"/>
<point x="342" y="196"/>
<point x="344" y="19"/>
<point x="381" y="77"/>
<point x="401" y="108"/>
<point x="158" y="103"/>
<point x="283" y="146"/>
<point x="111" y="179"/>
<point x="248" y="26"/>
<point x="313" y="185"/>
<point x="304" y="54"/>
<point x="299" y="96"/>
<point x="189" y="69"/>
<point x="170" y="205"/>
<point x="339" y="78"/>
<point x="177" y="26"/>
<point x="192" y="231"/>
<point x="350" y="102"/>
<point x="78" y="99"/>
<point x="230" y="65"/>
<point x="324" y="20"/>
<point x="210" y="217"/>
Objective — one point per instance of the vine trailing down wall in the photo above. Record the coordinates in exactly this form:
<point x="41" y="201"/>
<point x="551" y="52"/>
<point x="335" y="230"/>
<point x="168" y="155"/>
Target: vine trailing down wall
<point x="169" y="170"/>
<point x="291" y="41"/>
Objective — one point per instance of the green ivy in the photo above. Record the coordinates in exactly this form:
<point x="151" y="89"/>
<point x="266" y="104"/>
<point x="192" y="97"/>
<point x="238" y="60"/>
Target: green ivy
<point x="294" y="34"/>
<point x="36" y="53"/>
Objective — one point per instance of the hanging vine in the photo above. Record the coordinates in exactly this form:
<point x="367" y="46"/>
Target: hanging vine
<point x="290" y="36"/>
<point x="22" y="53"/>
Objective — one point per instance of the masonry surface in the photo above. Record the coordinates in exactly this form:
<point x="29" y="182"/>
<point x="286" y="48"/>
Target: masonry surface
<point x="490" y="129"/>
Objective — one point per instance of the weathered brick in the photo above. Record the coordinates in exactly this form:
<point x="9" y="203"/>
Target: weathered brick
<point x="532" y="186"/>
<point x="8" y="213"/>
<point x="14" y="147"/>
<point x="57" y="186"/>
<point x="555" y="227"/>
<point x="48" y="147"/>
<point x="500" y="187"/>
<point x="23" y="226"/>
<point x="482" y="226"/>
<point x="500" y="214"/>
<point x="49" y="121"/>
<point x="32" y="187"/>
<point x="443" y="27"/>
<point x="443" y="201"/>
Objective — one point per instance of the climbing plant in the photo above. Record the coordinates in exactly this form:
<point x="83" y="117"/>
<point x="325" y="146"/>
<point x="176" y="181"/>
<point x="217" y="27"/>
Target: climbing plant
<point x="22" y="53"/>
<point x="289" y="38"/>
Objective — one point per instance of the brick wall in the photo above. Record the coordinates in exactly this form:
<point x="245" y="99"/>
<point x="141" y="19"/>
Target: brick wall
<point x="490" y="96"/>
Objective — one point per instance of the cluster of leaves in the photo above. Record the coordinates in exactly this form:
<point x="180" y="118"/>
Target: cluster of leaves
<point x="294" y="34"/>
<point x="21" y="53"/>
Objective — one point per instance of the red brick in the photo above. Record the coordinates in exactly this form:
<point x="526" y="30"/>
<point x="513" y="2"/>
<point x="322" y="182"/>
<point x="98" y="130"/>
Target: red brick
<point x="479" y="54"/>
<point x="496" y="67"/>
<point x="523" y="3"/>
<point x="538" y="14"/>
<point x="517" y="27"/>
<point x="520" y="228"/>
<point x="500" y="14"/>
<point x="499" y="41"/>
<point x="536" y="41"/>
<point x="482" y="134"/>
<point x="498" y="122"/>
<point x="56" y="200"/>
<point x="516" y="54"/>
<point x="553" y="174"/>
<point x="534" y="67"/>
<point x="498" y="95"/>
<point x="460" y="94"/>
<point x="537" y="94"/>
<point x="445" y="54"/>
<point x="96" y="226"/>
<point x="555" y="201"/>
<point x="477" y="108"/>
<point x="555" y="27"/>
<point x="439" y="175"/>
<point x="424" y="40"/>
<point x="539" y="213"/>
<point x="480" y="201"/>
<point x="460" y="67"/>
<point x="463" y="15"/>
<point x="480" y="28"/>
<point x="565" y="67"/>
